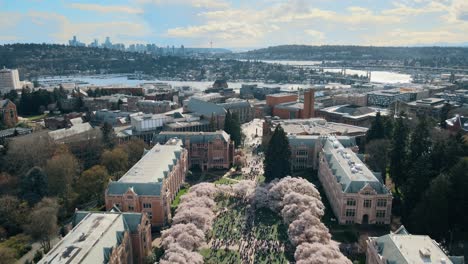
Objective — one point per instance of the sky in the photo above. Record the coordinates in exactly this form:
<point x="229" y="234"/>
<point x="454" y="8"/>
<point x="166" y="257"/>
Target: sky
<point x="237" y="24"/>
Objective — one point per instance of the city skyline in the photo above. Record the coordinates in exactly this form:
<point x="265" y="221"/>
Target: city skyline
<point x="237" y="24"/>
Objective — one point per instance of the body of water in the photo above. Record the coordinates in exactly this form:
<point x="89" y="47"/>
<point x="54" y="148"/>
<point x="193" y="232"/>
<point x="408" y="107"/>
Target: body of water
<point x="122" y="79"/>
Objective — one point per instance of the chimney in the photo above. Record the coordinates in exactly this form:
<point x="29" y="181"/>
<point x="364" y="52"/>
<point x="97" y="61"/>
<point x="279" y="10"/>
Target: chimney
<point x="309" y="99"/>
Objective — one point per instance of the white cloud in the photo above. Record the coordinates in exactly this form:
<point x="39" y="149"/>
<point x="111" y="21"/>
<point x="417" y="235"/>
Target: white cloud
<point x="404" y="37"/>
<point x="107" y="8"/>
<point x="63" y="28"/>
<point x="317" y="35"/>
<point x="406" y="10"/>
<point x="208" y="4"/>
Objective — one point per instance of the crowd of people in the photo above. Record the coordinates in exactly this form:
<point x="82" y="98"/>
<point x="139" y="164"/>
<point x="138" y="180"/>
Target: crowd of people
<point x="235" y="230"/>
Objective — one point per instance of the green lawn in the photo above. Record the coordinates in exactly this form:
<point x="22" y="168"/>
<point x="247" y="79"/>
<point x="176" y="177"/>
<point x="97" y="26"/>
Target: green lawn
<point x="36" y="117"/>
<point x="175" y="203"/>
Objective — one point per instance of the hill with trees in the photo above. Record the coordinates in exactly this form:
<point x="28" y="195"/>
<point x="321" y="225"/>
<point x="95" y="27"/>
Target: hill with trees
<point x="35" y="60"/>
<point x="424" y="56"/>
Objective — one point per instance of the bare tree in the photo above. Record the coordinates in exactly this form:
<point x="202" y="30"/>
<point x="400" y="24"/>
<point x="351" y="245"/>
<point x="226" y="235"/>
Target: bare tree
<point x="42" y="224"/>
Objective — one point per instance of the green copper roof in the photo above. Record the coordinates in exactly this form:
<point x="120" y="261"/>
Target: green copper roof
<point x="119" y="188"/>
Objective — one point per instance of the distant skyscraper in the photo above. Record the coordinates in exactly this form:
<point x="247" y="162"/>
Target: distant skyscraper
<point x="74" y="42"/>
<point x="107" y="43"/>
<point x="9" y="80"/>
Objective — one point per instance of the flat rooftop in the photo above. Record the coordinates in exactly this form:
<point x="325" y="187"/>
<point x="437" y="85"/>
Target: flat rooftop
<point x="151" y="168"/>
<point x="354" y="112"/>
<point x="410" y="249"/>
<point x="88" y="241"/>
<point x="318" y="126"/>
<point x="282" y="94"/>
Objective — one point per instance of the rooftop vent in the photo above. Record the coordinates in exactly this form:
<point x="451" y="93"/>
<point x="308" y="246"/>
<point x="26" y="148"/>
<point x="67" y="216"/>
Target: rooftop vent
<point x="425" y="252"/>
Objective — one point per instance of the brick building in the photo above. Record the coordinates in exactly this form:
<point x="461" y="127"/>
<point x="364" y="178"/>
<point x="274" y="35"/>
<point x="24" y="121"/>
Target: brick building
<point x="356" y="194"/>
<point x="305" y="149"/>
<point x="207" y="150"/>
<point x="152" y="183"/>
<point x="8" y="113"/>
<point x="286" y="106"/>
<point x="104" y="237"/>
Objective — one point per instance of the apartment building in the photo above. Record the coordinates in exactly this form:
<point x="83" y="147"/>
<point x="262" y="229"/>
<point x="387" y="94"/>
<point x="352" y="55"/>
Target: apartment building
<point x="9" y="80"/>
<point x="152" y="183"/>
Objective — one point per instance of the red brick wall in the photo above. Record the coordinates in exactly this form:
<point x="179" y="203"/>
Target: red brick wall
<point x="6" y="114"/>
<point x="275" y="100"/>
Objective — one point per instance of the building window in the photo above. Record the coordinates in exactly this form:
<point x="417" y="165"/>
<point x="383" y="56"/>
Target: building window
<point x="349" y="221"/>
<point x="381" y="203"/>
<point x="131" y="208"/>
<point x="380" y="214"/>
<point x="350" y="212"/>
<point x="301" y="152"/>
<point x="150" y="215"/>
<point x="146" y="205"/>
<point x="367" y="203"/>
<point x="351" y="202"/>
<point x="129" y="197"/>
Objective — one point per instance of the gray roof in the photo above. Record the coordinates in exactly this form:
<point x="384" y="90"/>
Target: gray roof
<point x="205" y="108"/>
<point x="312" y="140"/>
<point x="11" y="131"/>
<point x="236" y="104"/>
<point x="403" y="248"/>
<point x="72" y="131"/>
<point x="349" y="170"/>
<point x="290" y="106"/>
<point x="194" y="137"/>
<point x="146" y="176"/>
<point x="88" y="240"/>
<point x="4" y="102"/>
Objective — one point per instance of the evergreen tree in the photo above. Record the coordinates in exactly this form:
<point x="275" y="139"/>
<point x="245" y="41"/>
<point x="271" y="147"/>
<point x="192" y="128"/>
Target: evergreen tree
<point x="459" y="196"/>
<point x="278" y="154"/>
<point x="33" y="185"/>
<point x="228" y="122"/>
<point x="435" y="199"/>
<point x="108" y="136"/>
<point x="420" y="141"/>
<point x="398" y="152"/>
<point x="236" y="134"/>
<point x="444" y="115"/>
<point x="377" y="129"/>
<point x="212" y="123"/>
<point x="233" y="128"/>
